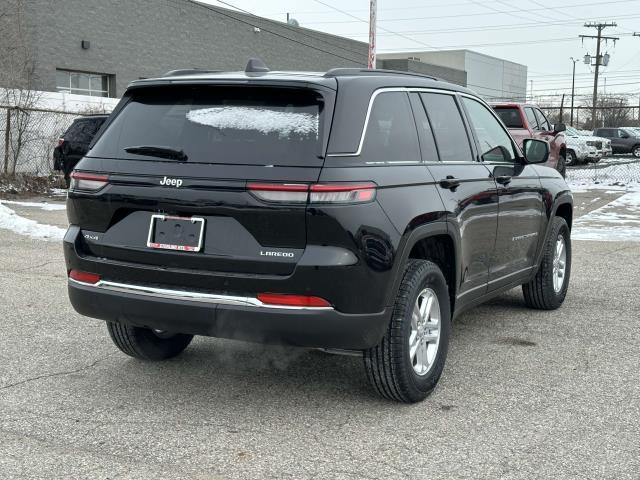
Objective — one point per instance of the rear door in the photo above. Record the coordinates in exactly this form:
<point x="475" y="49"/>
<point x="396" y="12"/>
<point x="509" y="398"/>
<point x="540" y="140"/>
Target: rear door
<point x="238" y="146"/>
<point x="466" y="187"/>
<point x="520" y="197"/>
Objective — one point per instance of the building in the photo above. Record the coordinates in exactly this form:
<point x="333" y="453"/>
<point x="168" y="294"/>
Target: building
<point x="96" y="47"/>
<point x="491" y="77"/>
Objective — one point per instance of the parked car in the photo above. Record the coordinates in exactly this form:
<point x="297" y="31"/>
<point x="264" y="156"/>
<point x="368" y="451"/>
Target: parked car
<point x="527" y="121"/>
<point x="623" y="140"/>
<point x="356" y="210"/>
<point x="74" y="143"/>
<point x="583" y="149"/>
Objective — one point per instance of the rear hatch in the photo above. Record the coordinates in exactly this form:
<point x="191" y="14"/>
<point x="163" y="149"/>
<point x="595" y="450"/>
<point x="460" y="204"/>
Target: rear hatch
<point x="182" y="177"/>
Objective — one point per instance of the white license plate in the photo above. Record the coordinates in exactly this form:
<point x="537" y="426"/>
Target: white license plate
<point x="183" y="234"/>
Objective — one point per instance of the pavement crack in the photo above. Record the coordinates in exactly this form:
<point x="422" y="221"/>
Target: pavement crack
<point x="54" y="374"/>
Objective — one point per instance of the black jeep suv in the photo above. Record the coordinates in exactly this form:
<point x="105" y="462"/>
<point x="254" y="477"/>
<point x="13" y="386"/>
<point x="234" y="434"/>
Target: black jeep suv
<point x="352" y="211"/>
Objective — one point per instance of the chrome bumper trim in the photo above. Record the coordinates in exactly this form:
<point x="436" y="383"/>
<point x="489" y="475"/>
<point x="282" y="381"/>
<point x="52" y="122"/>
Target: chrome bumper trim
<point x="200" y="297"/>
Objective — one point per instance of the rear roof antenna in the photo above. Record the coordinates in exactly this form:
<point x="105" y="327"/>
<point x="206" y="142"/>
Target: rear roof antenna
<point x="255" y="65"/>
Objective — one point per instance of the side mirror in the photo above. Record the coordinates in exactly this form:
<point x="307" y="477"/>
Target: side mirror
<point x="497" y="154"/>
<point x="559" y="127"/>
<point x="535" y="151"/>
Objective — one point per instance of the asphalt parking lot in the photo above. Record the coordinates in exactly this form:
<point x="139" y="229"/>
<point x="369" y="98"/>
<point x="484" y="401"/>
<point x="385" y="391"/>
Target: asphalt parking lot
<point x="525" y="394"/>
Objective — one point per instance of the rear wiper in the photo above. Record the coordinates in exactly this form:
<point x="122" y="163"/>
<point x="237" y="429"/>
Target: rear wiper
<point x="157" y="151"/>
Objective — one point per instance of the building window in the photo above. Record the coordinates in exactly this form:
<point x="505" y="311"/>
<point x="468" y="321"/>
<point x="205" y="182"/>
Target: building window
<point x="82" y="83"/>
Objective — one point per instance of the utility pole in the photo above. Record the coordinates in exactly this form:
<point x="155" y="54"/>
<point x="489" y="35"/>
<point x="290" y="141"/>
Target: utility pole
<point x="573" y="86"/>
<point x="371" y="63"/>
<point x="531" y="90"/>
<point x="600" y="27"/>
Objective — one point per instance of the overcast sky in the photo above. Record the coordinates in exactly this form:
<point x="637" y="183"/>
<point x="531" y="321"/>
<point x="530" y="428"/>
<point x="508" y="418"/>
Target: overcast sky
<point x="541" y="34"/>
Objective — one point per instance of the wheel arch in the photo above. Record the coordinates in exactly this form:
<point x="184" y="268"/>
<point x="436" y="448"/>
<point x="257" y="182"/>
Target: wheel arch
<point x="433" y="242"/>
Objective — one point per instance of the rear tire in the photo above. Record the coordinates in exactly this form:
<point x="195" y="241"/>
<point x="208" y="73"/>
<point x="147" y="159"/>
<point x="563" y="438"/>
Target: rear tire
<point x="562" y="166"/>
<point x="146" y="344"/>
<point x="636" y="151"/>
<point x="408" y="362"/>
<point x="544" y="292"/>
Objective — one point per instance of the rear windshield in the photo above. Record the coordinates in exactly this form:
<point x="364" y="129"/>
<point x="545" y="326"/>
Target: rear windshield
<point x="216" y="124"/>
<point x="510" y="117"/>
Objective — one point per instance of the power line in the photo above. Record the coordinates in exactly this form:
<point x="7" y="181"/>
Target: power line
<point x="261" y="27"/>
<point x="478" y="14"/>
<point x="379" y="27"/>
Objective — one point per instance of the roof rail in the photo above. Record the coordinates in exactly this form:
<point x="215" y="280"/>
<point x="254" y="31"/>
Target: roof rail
<point x="187" y="71"/>
<point x="337" y="72"/>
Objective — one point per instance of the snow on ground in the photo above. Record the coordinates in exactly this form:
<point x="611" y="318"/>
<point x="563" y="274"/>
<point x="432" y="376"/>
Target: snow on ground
<point x="9" y="220"/>
<point x="616" y="221"/>
<point x="41" y="205"/>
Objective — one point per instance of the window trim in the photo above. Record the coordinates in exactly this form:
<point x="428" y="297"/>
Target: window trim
<point x="537" y="126"/>
<point x="467" y="127"/>
<point x="370" y="106"/>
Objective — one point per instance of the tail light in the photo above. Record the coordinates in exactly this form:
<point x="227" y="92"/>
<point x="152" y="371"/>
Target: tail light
<point x="359" y="192"/>
<point x="280" y="192"/>
<point x="84" y="277"/>
<point x="287" y="300"/>
<point x="90" y="182"/>
<point x="60" y="141"/>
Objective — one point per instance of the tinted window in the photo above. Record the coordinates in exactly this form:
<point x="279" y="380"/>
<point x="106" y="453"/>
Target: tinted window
<point x="241" y="125"/>
<point x="510" y="117"/>
<point x="448" y="128"/>
<point x="542" y="120"/>
<point x="425" y="133"/>
<point x="531" y="118"/>
<point x="391" y="132"/>
<point x="489" y="132"/>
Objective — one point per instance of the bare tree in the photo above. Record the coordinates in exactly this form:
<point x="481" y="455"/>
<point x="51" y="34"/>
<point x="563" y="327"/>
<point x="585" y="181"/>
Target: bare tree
<point x="612" y="111"/>
<point x="18" y="77"/>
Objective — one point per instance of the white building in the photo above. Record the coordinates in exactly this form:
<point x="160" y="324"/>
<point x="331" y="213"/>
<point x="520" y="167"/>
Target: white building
<point x="491" y="77"/>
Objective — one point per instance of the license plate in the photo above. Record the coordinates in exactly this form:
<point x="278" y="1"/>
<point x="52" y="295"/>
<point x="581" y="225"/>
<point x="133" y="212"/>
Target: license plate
<point x="176" y="233"/>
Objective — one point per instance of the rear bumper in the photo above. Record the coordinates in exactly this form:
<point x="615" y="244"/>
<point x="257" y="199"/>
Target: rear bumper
<point x="217" y="316"/>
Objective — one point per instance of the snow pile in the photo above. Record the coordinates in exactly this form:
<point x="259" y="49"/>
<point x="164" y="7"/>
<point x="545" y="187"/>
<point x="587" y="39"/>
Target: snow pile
<point x="258" y="119"/>
<point x="9" y="220"/>
<point x="43" y="205"/>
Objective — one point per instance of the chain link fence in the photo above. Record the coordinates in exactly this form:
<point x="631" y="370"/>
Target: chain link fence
<point x="609" y="116"/>
<point x="28" y="137"/>
<point x="609" y="171"/>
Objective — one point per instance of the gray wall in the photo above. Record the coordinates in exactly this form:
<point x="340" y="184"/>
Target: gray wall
<point x="452" y="75"/>
<point x="145" y="38"/>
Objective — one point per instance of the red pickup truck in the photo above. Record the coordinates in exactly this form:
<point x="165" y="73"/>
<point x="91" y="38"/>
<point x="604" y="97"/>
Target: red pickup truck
<point x="527" y="121"/>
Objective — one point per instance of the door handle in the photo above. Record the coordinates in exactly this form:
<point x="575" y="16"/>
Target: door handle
<point x="450" y="183"/>
<point x="503" y="179"/>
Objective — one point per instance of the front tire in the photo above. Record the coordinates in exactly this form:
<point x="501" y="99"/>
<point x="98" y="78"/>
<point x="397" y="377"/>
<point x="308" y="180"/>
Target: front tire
<point x="147" y="344"/>
<point x="408" y="362"/>
<point x="548" y="289"/>
<point x="572" y="159"/>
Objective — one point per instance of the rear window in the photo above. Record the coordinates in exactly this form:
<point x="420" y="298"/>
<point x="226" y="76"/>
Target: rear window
<point x="510" y="117"/>
<point x="214" y="124"/>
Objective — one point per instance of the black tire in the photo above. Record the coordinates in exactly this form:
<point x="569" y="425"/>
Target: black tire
<point x="636" y="151"/>
<point x="571" y="158"/>
<point x="145" y="344"/>
<point x="388" y="365"/>
<point x="540" y="293"/>
<point x="562" y="166"/>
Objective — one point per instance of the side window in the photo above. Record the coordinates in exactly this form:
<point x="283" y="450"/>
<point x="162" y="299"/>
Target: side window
<point x="489" y="132"/>
<point x="448" y="128"/>
<point x="531" y="118"/>
<point x="425" y="133"/>
<point x="391" y="134"/>
<point x="542" y="121"/>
